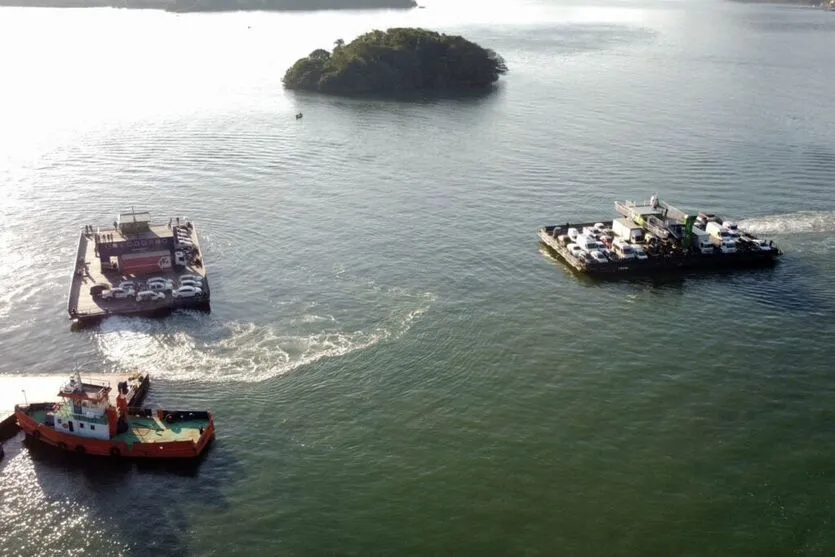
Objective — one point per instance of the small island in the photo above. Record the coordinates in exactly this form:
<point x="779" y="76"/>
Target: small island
<point x="394" y="61"/>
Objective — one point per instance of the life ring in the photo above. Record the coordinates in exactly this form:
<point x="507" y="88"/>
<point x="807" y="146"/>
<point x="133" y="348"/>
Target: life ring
<point x="80" y="449"/>
<point x="36" y="434"/>
<point x="169" y="418"/>
<point x="114" y="451"/>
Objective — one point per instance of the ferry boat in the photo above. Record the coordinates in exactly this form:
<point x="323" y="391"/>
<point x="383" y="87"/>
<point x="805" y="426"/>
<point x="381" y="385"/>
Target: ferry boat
<point x="137" y="268"/>
<point x="655" y="237"/>
<point x="86" y="422"/>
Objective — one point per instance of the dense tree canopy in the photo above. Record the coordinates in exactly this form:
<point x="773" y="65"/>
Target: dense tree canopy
<point x="400" y="59"/>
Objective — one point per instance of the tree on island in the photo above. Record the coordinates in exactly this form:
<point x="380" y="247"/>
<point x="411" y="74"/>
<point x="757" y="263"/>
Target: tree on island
<point x="400" y="59"/>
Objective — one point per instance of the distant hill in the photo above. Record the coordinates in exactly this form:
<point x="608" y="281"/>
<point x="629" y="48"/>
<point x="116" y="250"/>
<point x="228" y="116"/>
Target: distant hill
<point x="218" y="5"/>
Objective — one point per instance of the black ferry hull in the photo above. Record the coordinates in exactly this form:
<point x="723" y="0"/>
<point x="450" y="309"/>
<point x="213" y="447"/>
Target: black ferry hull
<point x="82" y="321"/>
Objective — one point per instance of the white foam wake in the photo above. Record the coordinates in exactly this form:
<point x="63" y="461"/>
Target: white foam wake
<point x="792" y="223"/>
<point x="209" y="350"/>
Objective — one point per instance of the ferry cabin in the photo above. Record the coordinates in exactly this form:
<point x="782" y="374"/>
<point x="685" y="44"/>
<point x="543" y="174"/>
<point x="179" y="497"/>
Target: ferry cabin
<point x="87" y="411"/>
<point x="134" y="247"/>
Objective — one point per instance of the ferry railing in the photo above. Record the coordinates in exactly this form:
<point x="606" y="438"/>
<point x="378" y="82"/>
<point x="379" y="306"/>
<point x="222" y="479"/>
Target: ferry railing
<point x="80" y="257"/>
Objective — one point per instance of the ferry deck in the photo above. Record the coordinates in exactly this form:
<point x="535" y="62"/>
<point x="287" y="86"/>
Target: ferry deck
<point x="135" y="250"/>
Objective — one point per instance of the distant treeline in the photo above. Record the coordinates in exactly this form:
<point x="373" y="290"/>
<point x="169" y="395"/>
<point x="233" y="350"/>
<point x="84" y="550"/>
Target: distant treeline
<point x="218" y="5"/>
<point x="793" y="2"/>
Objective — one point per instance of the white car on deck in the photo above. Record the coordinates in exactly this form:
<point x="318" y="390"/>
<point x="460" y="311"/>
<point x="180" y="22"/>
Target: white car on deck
<point x="149" y="295"/>
<point x="765" y="245"/>
<point x="575" y="250"/>
<point x="118" y="293"/>
<point x="160" y="286"/>
<point x="598" y="257"/>
<point x="187" y="292"/>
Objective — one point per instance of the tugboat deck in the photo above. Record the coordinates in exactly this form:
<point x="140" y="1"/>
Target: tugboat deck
<point x="151" y="429"/>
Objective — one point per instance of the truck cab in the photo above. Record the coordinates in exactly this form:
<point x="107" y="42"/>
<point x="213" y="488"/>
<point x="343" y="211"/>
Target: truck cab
<point x="701" y="241"/>
<point x="179" y="259"/>
<point x="623" y="249"/>
<point x="717" y="231"/>
<point x="588" y="243"/>
<point x="727" y="245"/>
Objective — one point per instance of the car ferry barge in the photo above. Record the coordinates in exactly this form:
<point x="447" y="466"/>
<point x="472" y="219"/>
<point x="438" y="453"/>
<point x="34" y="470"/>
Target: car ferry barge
<point x="654" y="237"/>
<point x="137" y="268"/>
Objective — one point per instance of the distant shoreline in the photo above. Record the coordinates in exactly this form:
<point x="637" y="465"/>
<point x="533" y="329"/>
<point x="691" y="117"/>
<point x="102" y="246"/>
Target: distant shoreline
<point x="806" y="3"/>
<point x="192" y="6"/>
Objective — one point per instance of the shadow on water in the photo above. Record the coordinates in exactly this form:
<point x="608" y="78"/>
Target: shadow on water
<point x="787" y="286"/>
<point x="428" y="97"/>
<point x="146" y="502"/>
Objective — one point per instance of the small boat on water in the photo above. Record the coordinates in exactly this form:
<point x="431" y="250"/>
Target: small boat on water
<point x="86" y="422"/>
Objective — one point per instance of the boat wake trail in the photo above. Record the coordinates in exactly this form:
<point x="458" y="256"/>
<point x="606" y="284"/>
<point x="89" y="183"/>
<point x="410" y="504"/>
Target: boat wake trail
<point x="792" y="223"/>
<point x="195" y="346"/>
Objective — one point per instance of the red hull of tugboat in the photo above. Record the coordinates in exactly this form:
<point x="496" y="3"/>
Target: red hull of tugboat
<point x="101" y="447"/>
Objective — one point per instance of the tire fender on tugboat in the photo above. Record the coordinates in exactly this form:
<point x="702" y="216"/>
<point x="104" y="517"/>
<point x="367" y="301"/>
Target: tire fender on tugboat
<point x="80" y="449"/>
<point x="115" y="452"/>
<point x="36" y="434"/>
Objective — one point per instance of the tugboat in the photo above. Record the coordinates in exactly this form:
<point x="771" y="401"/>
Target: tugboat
<point x="86" y="422"/>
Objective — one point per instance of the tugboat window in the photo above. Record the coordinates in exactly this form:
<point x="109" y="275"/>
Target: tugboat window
<point x="81" y="425"/>
<point x="93" y="427"/>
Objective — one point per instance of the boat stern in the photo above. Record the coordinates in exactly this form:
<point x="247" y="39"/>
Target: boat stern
<point x="206" y="436"/>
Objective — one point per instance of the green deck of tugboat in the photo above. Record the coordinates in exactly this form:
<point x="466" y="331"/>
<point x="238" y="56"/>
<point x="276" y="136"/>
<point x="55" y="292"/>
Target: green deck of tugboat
<point x="152" y="430"/>
<point x="149" y="430"/>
